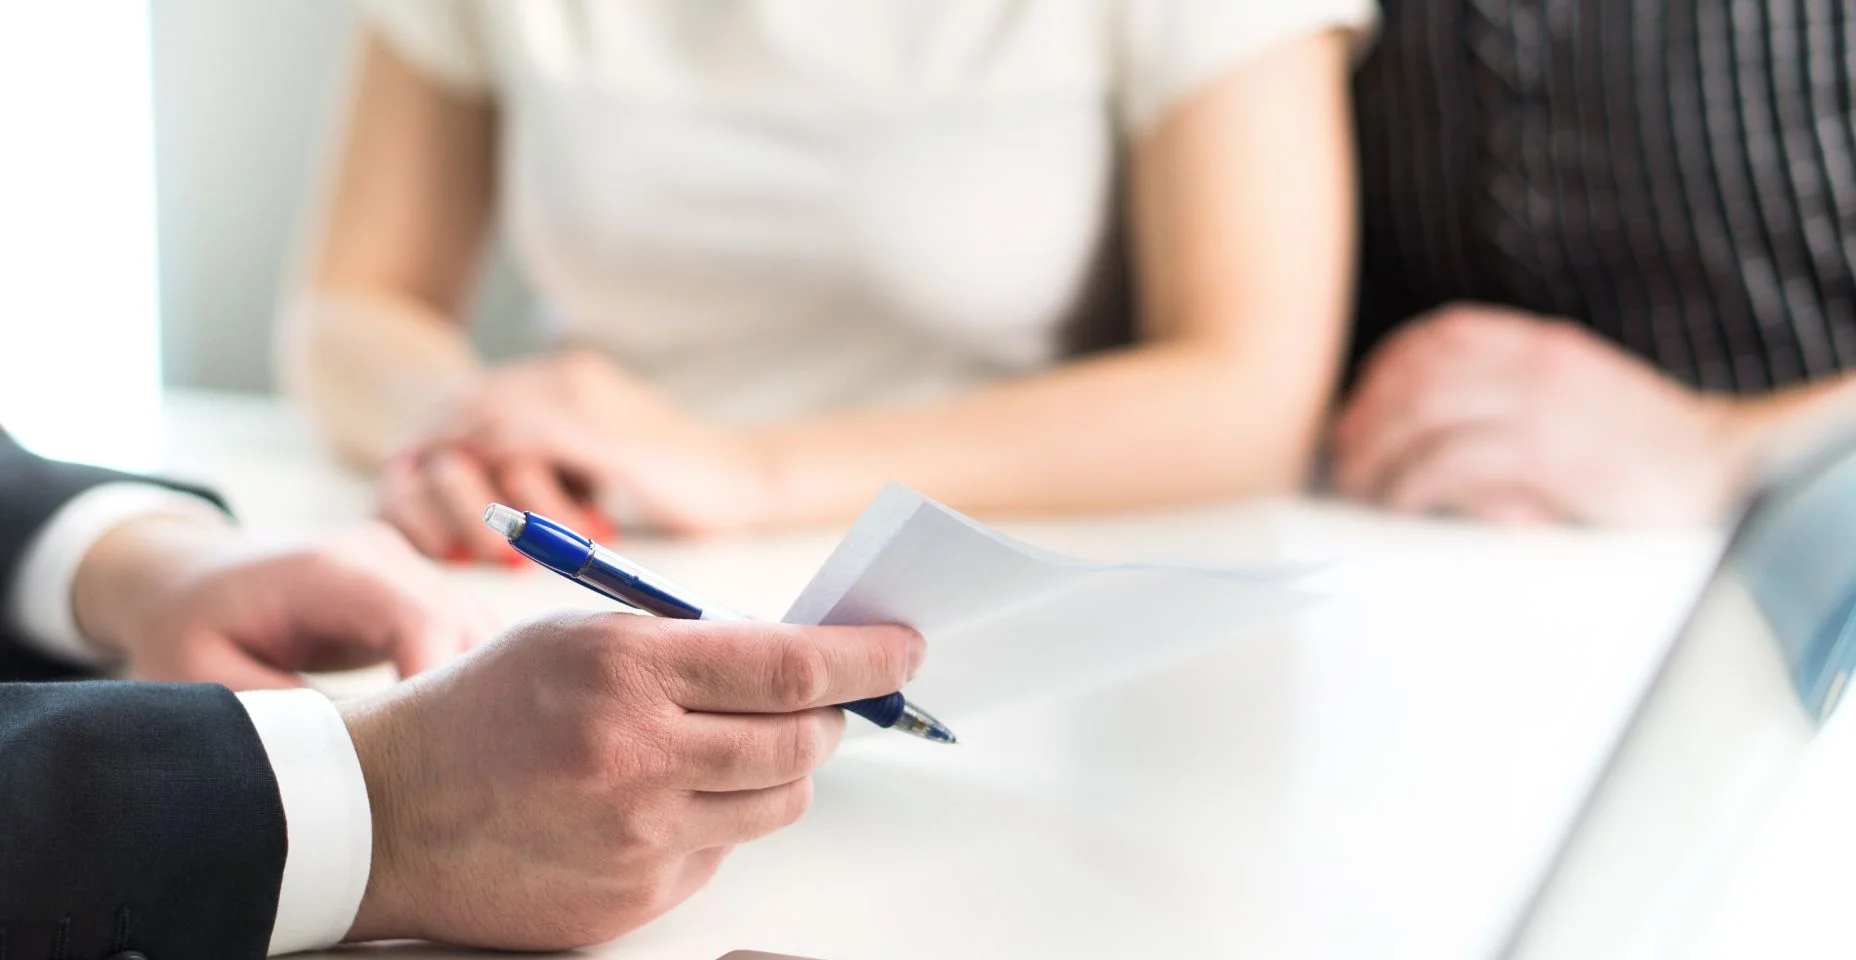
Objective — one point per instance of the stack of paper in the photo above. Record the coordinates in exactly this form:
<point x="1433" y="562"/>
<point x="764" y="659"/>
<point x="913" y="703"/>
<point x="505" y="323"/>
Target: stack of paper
<point x="1008" y="623"/>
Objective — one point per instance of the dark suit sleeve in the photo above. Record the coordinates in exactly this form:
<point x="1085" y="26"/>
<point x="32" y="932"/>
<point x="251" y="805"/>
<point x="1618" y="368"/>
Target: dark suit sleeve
<point x="135" y="816"/>
<point x="138" y="817"/>
<point x="31" y="491"/>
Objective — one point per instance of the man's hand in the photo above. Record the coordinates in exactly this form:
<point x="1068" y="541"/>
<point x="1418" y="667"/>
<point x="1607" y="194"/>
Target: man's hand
<point x="1503" y="415"/>
<point x="584" y="774"/>
<point x="187" y="601"/>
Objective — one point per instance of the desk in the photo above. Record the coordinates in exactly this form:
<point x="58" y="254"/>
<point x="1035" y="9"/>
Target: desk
<point x="1378" y="778"/>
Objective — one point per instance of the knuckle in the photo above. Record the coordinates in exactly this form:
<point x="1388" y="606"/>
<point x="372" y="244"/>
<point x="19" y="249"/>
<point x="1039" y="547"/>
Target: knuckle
<point x="637" y="757"/>
<point x="620" y="650"/>
<point x="587" y="754"/>
<point x="657" y="892"/>
<point x="800" y="674"/>
<point x="734" y="754"/>
<point x="795" y="799"/>
<point x="644" y="828"/>
<point x="579" y="636"/>
<point x="587" y="652"/>
<point x="808" y="744"/>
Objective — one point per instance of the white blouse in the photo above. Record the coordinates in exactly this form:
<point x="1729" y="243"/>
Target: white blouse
<point x="769" y="208"/>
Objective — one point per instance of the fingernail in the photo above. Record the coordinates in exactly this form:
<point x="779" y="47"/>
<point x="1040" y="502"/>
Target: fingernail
<point x="918" y="652"/>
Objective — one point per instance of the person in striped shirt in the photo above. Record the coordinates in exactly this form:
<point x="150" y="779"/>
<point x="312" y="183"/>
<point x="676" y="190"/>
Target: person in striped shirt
<point x="1609" y="253"/>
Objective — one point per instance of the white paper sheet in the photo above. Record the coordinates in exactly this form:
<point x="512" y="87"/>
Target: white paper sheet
<point x="1008" y="623"/>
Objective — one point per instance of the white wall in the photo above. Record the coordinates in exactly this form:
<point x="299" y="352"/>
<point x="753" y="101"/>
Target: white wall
<point x="78" y="365"/>
<point x="246" y="96"/>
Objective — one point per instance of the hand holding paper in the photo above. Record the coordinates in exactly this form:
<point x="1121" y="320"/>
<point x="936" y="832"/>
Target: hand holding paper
<point x="1009" y="623"/>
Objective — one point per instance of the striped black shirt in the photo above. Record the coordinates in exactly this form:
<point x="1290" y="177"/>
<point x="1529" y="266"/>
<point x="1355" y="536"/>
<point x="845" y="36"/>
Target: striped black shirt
<point x="1678" y="174"/>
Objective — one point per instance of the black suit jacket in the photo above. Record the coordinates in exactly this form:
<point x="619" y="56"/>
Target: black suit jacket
<point x="133" y="817"/>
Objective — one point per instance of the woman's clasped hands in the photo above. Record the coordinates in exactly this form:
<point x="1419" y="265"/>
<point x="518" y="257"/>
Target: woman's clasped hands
<point x="571" y="436"/>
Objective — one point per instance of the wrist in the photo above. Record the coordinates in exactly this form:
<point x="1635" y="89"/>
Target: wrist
<point x="373" y="368"/>
<point x="384" y="914"/>
<point x="1767" y="433"/>
<point x="1748" y="428"/>
<point x="134" y="571"/>
<point x="1752" y="434"/>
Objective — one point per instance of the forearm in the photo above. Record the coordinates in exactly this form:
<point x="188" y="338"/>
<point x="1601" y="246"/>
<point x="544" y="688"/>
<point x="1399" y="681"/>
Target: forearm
<point x="371" y="344"/>
<point x="371" y="369"/>
<point x="1154" y="424"/>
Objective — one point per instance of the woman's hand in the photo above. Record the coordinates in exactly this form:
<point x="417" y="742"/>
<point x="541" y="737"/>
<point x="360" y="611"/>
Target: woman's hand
<point x="573" y="437"/>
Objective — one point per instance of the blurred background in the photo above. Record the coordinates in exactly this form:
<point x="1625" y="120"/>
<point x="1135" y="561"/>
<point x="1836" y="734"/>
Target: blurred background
<point x="822" y="239"/>
<point x="206" y="177"/>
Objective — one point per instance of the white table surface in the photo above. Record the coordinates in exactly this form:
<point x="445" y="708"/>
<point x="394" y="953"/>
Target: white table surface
<point x="1379" y="778"/>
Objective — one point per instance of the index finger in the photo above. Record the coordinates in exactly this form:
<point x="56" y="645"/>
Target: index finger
<point x="746" y="667"/>
<point x="462" y="484"/>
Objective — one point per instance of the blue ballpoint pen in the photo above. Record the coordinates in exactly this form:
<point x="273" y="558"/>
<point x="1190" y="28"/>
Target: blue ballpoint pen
<point x="602" y="571"/>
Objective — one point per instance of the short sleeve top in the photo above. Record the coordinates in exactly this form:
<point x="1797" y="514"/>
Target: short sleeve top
<point x="772" y="207"/>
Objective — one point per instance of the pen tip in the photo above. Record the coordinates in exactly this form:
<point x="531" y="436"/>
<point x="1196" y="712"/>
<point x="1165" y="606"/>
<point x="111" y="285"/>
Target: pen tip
<point x="920" y="723"/>
<point x="507" y="521"/>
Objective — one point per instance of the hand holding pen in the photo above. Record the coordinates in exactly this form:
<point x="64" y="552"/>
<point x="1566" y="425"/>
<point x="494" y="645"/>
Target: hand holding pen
<point x="598" y="569"/>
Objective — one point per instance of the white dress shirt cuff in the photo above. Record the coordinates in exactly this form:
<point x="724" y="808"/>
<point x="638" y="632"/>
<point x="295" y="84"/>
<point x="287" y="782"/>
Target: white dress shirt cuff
<point x="40" y="604"/>
<point x="326" y="813"/>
